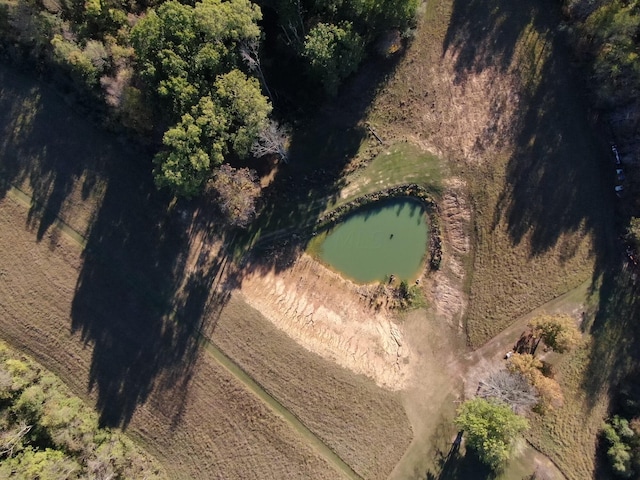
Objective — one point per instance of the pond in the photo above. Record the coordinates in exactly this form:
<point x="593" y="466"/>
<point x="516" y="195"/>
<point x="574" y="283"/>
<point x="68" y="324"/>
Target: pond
<point x="386" y="238"/>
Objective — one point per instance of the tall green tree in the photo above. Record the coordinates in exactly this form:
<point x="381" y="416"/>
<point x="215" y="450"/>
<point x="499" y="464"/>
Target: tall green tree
<point x="193" y="148"/>
<point x="227" y="122"/>
<point x="246" y="109"/>
<point x="490" y="429"/>
<point x="334" y="52"/>
<point x="180" y="49"/>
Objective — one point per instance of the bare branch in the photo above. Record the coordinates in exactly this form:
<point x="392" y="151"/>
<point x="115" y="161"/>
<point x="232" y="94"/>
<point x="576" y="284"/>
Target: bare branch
<point x="273" y="140"/>
<point x="510" y="388"/>
<point x="9" y="445"/>
<point x="249" y="53"/>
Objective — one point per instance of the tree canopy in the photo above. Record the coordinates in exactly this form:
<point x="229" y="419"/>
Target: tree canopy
<point x="227" y="121"/>
<point x="531" y="369"/>
<point x="48" y="434"/>
<point x="333" y="52"/>
<point x="180" y="50"/>
<point x="559" y="332"/>
<point x="490" y="428"/>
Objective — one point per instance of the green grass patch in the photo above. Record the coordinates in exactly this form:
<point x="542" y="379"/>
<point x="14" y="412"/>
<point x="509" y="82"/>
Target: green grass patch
<point x="401" y="163"/>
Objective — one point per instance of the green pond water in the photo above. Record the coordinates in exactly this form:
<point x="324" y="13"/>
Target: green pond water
<point x="386" y="238"/>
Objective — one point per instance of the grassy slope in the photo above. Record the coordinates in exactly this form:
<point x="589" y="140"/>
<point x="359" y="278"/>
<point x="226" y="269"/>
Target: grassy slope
<point x="540" y="180"/>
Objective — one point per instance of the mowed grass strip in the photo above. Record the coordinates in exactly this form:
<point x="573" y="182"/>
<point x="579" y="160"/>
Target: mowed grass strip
<point x="398" y="164"/>
<point x="338" y="406"/>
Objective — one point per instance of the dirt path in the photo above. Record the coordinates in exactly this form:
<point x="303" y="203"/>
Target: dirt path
<point x="453" y="377"/>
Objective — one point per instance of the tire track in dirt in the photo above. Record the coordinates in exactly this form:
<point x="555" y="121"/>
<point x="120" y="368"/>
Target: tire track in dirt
<point x="224" y="361"/>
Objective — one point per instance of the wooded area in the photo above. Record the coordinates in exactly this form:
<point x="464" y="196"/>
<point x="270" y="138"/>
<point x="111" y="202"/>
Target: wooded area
<point x="195" y="79"/>
<point x="47" y="433"/>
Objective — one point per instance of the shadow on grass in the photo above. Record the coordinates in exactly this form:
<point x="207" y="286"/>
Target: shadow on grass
<point x="484" y="33"/>
<point x="303" y="188"/>
<point x="457" y="465"/>
<point x="46" y="148"/>
<point x="560" y="177"/>
<point x="139" y="301"/>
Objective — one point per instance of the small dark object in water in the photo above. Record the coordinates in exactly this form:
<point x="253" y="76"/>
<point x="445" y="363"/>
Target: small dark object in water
<point x="391" y="236"/>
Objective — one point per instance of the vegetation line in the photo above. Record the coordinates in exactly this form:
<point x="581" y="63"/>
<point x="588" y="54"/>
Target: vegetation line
<point x="28" y="201"/>
<point x="278" y="408"/>
<point x="227" y="363"/>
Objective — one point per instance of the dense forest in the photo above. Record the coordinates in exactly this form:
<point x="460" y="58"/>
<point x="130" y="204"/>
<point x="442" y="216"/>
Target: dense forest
<point x="47" y="433"/>
<point x="211" y="82"/>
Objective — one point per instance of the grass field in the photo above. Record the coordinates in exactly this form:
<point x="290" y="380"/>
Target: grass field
<point x="487" y="87"/>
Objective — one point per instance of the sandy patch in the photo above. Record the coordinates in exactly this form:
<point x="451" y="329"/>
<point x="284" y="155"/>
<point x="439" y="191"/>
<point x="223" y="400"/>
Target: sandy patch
<point x="330" y="316"/>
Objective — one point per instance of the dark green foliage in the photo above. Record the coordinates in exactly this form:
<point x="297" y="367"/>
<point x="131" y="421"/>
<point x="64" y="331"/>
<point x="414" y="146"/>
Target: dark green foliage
<point x="181" y="49"/>
<point x="613" y="30"/>
<point x="188" y="57"/>
<point x="333" y="52"/>
<point x="45" y="433"/>
<point x="193" y="147"/>
<point x="370" y="17"/>
<point x="623" y="447"/>
<point x="633" y="232"/>
<point x="228" y="121"/>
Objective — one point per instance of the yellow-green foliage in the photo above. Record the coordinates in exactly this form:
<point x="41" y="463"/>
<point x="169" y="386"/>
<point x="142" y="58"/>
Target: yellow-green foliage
<point x="612" y="30"/>
<point x="559" y="332"/>
<point x="47" y="433"/>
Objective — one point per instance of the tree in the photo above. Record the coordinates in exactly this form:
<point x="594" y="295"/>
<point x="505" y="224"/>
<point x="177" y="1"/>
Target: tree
<point x="558" y="332"/>
<point x="193" y="147"/>
<point x="510" y="388"/>
<point x="333" y="52"/>
<point x="491" y="429"/>
<point x="251" y="58"/>
<point x="245" y="108"/>
<point x="272" y="140"/>
<point x="620" y="439"/>
<point x="633" y="232"/>
<point x="181" y="49"/>
<point x="237" y="191"/>
<point x="228" y="121"/>
<point x="529" y="367"/>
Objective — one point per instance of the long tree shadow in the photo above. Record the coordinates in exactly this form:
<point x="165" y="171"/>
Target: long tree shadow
<point x="484" y="33"/>
<point x="47" y="150"/>
<point x="138" y="304"/>
<point x="558" y="192"/>
<point x="320" y="149"/>
<point x="457" y="465"/>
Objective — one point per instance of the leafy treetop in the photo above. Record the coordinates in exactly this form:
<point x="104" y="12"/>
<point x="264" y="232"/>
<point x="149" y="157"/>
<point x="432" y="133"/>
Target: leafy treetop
<point x="491" y="429"/>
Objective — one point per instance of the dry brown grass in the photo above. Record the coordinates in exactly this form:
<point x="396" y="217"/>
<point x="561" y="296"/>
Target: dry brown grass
<point x="488" y="86"/>
<point x="500" y="104"/>
<point x="205" y="425"/>
<point x="116" y="321"/>
<point x="568" y="434"/>
<point x="342" y="408"/>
